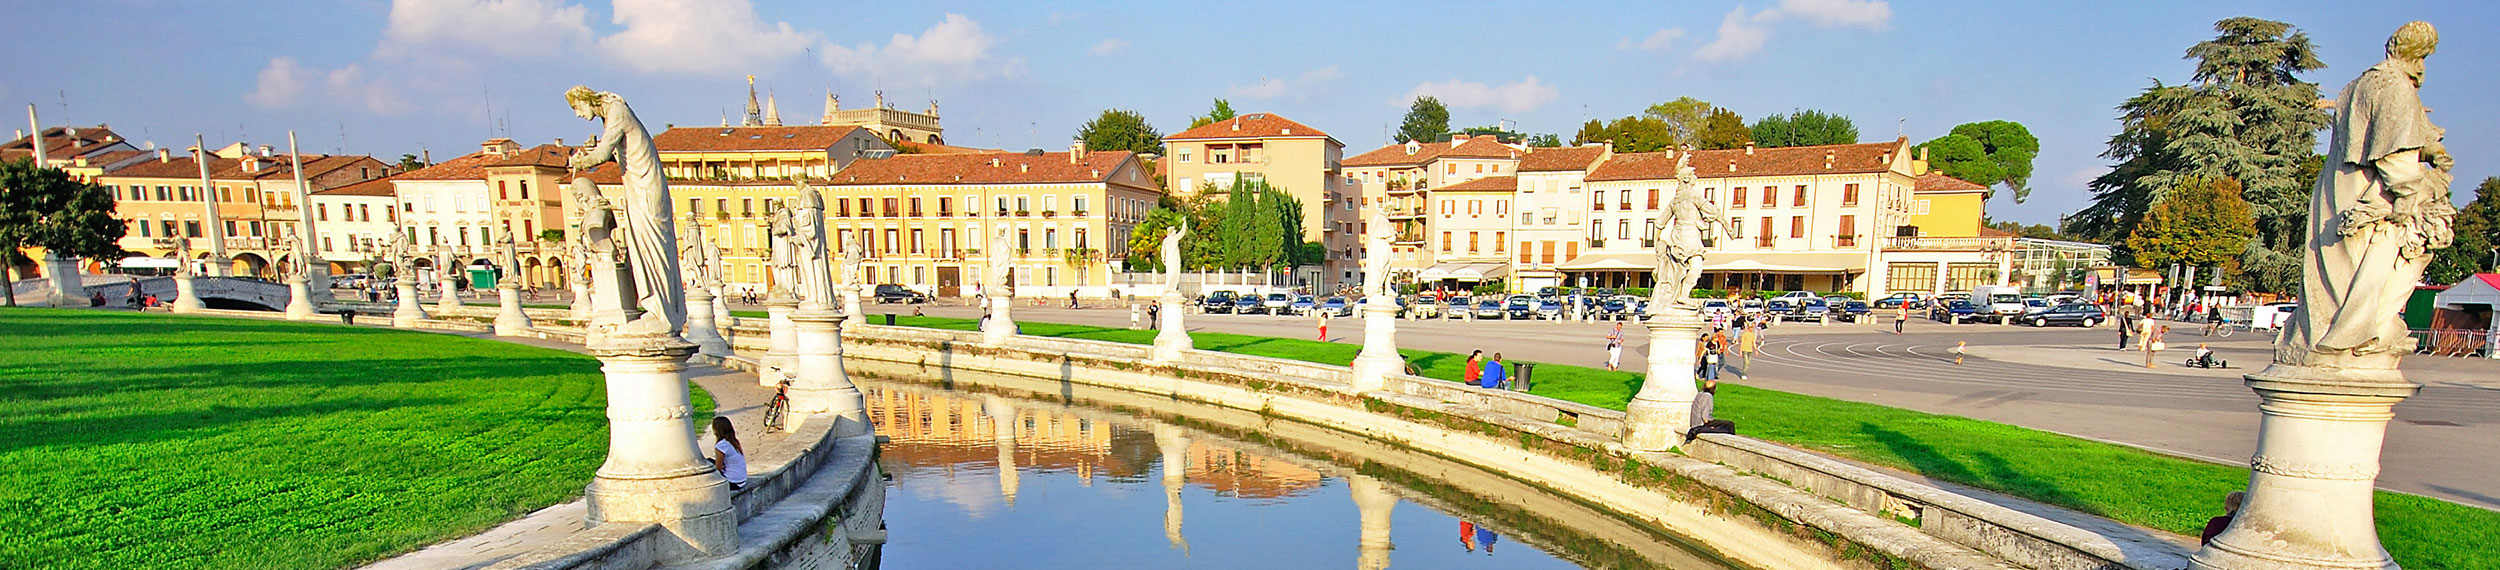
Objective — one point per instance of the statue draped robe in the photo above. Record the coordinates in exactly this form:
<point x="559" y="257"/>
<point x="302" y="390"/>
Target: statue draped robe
<point x="650" y="237"/>
<point x="2378" y="209"/>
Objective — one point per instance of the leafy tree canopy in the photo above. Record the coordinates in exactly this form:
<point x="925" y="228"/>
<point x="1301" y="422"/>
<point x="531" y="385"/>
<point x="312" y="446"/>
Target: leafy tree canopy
<point x="44" y="207"/>
<point x="2204" y="224"/>
<point x="1426" y="121"/>
<point x="1120" y="129"/>
<point x="1962" y="157"/>
<point x="1223" y="111"/>
<point x="1723" y="130"/>
<point x="1803" y="128"/>
<point x="1682" y="117"/>
<point x="2005" y="147"/>
<point x="2477" y="229"/>
<point x="1545" y="140"/>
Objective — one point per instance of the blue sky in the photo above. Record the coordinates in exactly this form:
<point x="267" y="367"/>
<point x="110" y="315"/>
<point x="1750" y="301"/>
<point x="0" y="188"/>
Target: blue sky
<point x="387" y="78"/>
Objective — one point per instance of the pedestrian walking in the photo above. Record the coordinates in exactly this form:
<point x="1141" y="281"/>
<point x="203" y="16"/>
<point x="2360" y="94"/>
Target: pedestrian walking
<point x="1614" y="348"/>
<point x="2126" y="325"/>
<point x="1474" y="370"/>
<point x="1154" y="316"/>
<point x="1323" y="325"/>
<point x="1072" y="299"/>
<point x="1494" y="373"/>
<point x="1900" y="316"/>
<point x="1707" y="354"/>
<point x="1748" y="339"/>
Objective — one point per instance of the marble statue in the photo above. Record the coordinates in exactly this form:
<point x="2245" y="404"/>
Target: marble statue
<point x="704" y="268"/>
<point x="1376" y="255"/>
<point x="807" y="248"/>
<point x="1002" y="252"/>
<point x="386" y="257"/>
<point x="852" y="254"/>
<point x="601" y="253"/>
<point x="1688" y="220"/>
<point x="511" y="258"/>
<point x="650" y="244"/>
<point x="784" y="261"/>
<point x="183" y="261"/>
<point x="1172" y="256"/>
<point x="2379" y="209"/>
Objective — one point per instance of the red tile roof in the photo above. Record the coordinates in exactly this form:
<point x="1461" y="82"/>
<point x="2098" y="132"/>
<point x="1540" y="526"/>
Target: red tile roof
<point x="1486" y="184"/>
<point x="935" y="148"/>
<point x="1560" y="159"/>
<point x="59" y="145"/>
<point x="1254" y="125"/>
<point x="1731" y="163"/>
<point x="730" y="139"/>
<point x="994" y="168"/>
<point x="374" y="187"/>
<point x="1937" y="181"/>
<point x="1396" y="155"/>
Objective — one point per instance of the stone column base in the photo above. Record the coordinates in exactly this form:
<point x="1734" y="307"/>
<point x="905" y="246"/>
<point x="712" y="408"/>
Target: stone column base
<point x="1172" y="343"/>
<point x="820" y="385"/>
<point x="409" y="311"/>
<point x="654" y="473"/>
<point x="2311" y="482"/>
<point x="299" y="302"/>
<point x="511" y="321"/>
<point x="1379" y="357"/>
<point x="187" y="296"/>
<point x="1658" y="416"/>
<point x="696" y="509"/>
<point x="701" y="328"/>
<point x="777" y="362"/>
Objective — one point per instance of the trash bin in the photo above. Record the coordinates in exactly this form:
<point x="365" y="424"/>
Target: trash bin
<point x="889" y="319"/>
<point x="1519" y="377"/>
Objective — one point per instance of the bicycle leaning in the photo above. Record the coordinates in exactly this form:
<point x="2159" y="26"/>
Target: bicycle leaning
<point x="776" y="412"/>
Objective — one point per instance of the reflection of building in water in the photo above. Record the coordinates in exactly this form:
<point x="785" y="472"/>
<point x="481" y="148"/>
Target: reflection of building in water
<point x="934" y="429"/>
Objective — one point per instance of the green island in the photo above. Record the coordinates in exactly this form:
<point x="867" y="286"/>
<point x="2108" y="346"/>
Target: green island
<point x="160" y="441"/>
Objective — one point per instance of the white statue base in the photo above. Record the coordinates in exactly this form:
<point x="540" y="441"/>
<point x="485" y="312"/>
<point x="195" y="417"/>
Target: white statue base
<point x="1172" y="342"/>
<point x="2311" y="483"/>
<point x="777" y="362"/>
<point x="68" y="290"/>
<point x="820" y="385"/>
<point x="1662" y="411"/>
<point x="720" y="313"/>
<point x="1000" y="327"/>
<point x="450" y="301"/>
<point x="409" y="311"/>
<point x="655" y="473"/>
<point x="187" y="295"/>
<point x="511" y="320"/>
<point x="581" y="302"/>
<point x="701" y="329"/>
<point x="319" y="281"/>
<point x="1379" y="358"/>
<point x="299" y="300"/>
<point x="851" y="309"/>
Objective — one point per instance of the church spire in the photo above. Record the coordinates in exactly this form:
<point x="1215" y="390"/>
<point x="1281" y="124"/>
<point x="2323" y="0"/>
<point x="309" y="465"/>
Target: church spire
<point x="772" y="111"/>
<point x="832" y="104"/>
<point x="755" y="114"/>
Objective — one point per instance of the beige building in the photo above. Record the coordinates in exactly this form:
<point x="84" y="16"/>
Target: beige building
<point x="353" y="222"/>
<point x="1399" y="179"/>
<point x="1470" y="233"/>
<point x="1289" y="156"/>
<point x="761" y="152"/>
<point x="1552" y="207"/>
<point x="925" y="219"/>
<point x="158" y="196"/>
<point x="1799" y="218"/>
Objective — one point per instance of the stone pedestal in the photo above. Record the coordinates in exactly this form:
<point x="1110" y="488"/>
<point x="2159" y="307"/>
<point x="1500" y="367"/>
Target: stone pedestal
<point x="318" y="279"/>
<point x="68" y="290"/>
<point x="701" y="329"/>
<point x="1136" y="316"/>
<point x="299" y="300"/>
<point x="720" y="312"/>
<point x="1379" y="358"/>
<point x="511" y="321"/>
<point x="1172" y="341"/>
<point x="2311" y="481"/>
<point x="655" y="473"/>
<point x="1372" y="505"/>
<point x="186" y="294"/>
<point x="450" y="301"/>
<point x="409" y="311"/>
<point x="1662" y="411"/>
<point x="820" y="385"/>
<point x="1000" y="326"/>
<point x="581" y="301"/>
<point x="851" y="309"/>
<point x="777" y="362"/>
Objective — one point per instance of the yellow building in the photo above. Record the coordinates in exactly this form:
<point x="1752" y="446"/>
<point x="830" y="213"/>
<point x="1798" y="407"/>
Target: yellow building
<point x="925" y="219"/>
<point x="1289" y="156"/>
<point x="753" y="153"/>
<point x="1399" y="180"/>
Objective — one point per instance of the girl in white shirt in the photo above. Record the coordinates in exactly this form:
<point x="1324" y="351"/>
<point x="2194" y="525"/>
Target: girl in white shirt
<point x="728" y="456"/>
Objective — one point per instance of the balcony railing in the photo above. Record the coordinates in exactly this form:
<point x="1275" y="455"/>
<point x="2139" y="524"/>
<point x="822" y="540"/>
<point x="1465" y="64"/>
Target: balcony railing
<point x="1950" y="243"/>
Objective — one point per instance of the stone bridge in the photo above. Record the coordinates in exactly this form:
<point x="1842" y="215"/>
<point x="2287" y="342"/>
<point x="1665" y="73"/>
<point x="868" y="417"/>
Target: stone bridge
<point x="244" y="293"/>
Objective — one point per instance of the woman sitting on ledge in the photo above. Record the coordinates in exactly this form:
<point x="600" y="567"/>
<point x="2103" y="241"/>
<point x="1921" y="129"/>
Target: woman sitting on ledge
<point x="728" y="456"/>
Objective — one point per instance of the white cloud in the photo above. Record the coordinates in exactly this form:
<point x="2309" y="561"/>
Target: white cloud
<point x="286" y="83"/>
<point x="1517" y="97"/>
<point x="692" y="36"/>
<point x="507" y="29"/>
<point x="1300" y="87"/>
<point x="1110" y="46"/>
<point x="1739" y="37"/>
<point x="1869" y="14"/>
<point x="1659" y="41"/>
<point x="954" y="49"/>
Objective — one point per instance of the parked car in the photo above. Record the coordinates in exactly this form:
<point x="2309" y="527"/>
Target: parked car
<point x="1717" y="307"/>
<point x="1854" y="311"/>
<point x="1457" y="307"/>
<point x="1895" y="300"/>
<point x="1277" y="303"/>
<point x="1810" y="309"/>
<point x="1548" y="292"/>
<point x="1613" y="309"/>
<point x="2001" y="303"/>
<point x="1419" y="308"/>
<point x="1216" y="302"/>
<point x="1302" y="305"/>
<point x="1750" y="307"/>
<point x="1778" y="308"/>
<point x="1795" y="296"/>
<point x="2272" y="316"/>
<point x="1337" y="306"/>
<point x="1489" y="308"/>
<point x="2034" y="305"/>
<point x="1954" y="311"/>
<point x="2085" y="315"/>
<point x="1519" y="307"/>
<point x="892" y="293"/>
<point x="1249" y="305"/>
<point x="1549" y="308"/>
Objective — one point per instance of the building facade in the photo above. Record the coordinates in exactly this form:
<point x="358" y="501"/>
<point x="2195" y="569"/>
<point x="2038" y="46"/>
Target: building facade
<point x="1289" y="156"/>
<point x="1552" y="207"/>
<point x="926" y="220"/>
<point x="1470" y="233"/>
<point x="1399" y="180"/>
<point x="353" y="222"/>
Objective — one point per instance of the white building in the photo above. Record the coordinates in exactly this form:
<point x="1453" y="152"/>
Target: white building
<point x="353" y="221"/>
<point x="1553" y="207"/>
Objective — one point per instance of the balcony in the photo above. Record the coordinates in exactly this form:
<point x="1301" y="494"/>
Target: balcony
<point x="1949" y="244"/>
<point x="1405" y="213"/>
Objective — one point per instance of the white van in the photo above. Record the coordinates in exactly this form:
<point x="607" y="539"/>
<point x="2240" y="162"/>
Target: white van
<point x="2000" y="302"/>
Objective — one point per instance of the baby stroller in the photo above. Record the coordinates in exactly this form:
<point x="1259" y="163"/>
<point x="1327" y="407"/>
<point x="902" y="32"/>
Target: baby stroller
<point x="2204" y="358"/>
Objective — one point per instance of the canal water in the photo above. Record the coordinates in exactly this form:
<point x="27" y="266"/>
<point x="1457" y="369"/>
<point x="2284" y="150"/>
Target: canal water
<point x="1046" y="479"/>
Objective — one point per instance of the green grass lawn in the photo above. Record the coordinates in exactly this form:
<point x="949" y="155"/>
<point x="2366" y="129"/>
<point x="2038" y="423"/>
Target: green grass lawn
<point x="159" y="441"/>
<point x="2114" y="481"/>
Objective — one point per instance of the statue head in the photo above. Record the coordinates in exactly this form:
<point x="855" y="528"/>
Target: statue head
<point x="2414" y="41"/>
<point x="586" y="103"/>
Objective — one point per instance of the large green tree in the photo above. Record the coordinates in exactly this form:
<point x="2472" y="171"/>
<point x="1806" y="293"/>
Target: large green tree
<point x="1223" y="111"/>
<point x="1992" y="153"/>
<point x="2202" y="224"/>
<point x="1682" y="118"/>
<point x="1426" y="121"/>
<point x="1145" y="242"/>
<point x="1724" y="129"/>
<point x="1629" y="134"/>
<point x="1803" y="128"/>
<point x="2477" y="228"/>
<point x="2246" y="115"/>
<point x="43" y="207"/>
<point x="1120" y="129"/>
<point x="1545" y="140"/>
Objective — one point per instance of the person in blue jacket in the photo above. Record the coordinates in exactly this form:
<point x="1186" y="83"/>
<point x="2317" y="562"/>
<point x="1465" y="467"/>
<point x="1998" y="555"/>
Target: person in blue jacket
<point x="1493" y="372"/>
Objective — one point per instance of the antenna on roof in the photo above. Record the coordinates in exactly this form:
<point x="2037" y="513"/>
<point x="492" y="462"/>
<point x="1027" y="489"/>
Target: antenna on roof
<point x="342" y="138"/>
<point x="489" y="93"/>
<point x="1901" y="128"/>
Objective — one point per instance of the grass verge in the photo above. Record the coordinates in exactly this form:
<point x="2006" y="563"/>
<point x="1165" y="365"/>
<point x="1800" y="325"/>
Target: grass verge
<point x="158" y="441"/>
<point x="2119" y="482"/>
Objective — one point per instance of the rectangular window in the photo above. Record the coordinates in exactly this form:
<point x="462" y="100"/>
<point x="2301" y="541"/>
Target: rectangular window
<point x="693" y="206"/>
<point x="1453" y="168"/>
<point x="143" y="229"/>
<point x="1079" y="206"/>
<point x="1023" y="204"/>
<point x="1849" y="194"/>
<point x="1471" y="242"/>
<point x="1571" y="250"/>
<point x="1736" y="197"/>
<point x="1796" y="226"/>
<point x="1764" y="238"/>
<point x="1002" y="205"/>
<point x="842" y="208"/>
<point x="1800" y="200"/>
<point x="1910" y="276"/>
<point x="321" y="212"/>
<point x="502" y="192"/>
<point x="1524" y="256"/>
<point x="1501" y="242"/>
<point x="891" y="243"/>
<point x="890" y="207"/>
<point x="1445" y="242"/>
<point x="1770" y="196"/>
<point x="946" y="206"/>
<point x="917" y="245"/>
<point x="525" y="189"/>
<point x="1597" y="201"/>
<point x="746" y="206"/>
<point x="1623" y="229"/>
<point x="191" y="228"/>
<point x="720" y="205"/>
<point x="1448" y="209"/>
<point x="1653" y="198"/>
<point x="915" y="207"/>
<point x="1847" y="234"/>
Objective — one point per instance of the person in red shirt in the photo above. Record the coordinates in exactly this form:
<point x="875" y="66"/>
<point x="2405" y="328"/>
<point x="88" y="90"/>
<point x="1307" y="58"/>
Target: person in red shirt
<point x="1467" y="535"/>
<point x="1475" y="368"/>
<point x="2230" y="508"/>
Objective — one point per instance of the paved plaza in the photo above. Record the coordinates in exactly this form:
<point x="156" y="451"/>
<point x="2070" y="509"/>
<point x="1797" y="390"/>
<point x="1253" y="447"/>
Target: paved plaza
<point x="2061" y="379"/>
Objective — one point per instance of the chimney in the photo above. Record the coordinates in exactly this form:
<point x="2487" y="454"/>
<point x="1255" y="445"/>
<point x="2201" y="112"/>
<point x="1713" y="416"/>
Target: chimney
<point x="1076" y="152"/>
<point x="265" y="150"/>
<point x="164" y="155"/>
<point x="1748" y="148"/>
<point x="1024" y="167"/>
<point x="429" y="156"/>
<point x="1236" y="123"/>
<point x="1922" y="154"/>
<point x="1288" y="131"/>
<point x="559" y="141"/>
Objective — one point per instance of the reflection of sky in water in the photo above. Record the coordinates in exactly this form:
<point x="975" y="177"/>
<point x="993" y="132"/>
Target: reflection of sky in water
<point x="1089" y="492"/>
